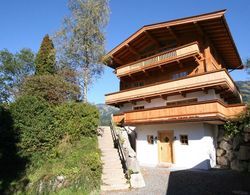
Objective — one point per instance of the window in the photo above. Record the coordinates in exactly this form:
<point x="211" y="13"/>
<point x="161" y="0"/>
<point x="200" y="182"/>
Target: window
<point x="138" y="84"/>
<point x="182" y="102"/>
<point x="179" y="75"/>
<point x="138" y="107"/>
<point x="150" y="139"/>
<point x="184" y="139"/>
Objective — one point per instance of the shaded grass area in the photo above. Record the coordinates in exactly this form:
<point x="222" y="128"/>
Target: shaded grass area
<point x="78" y="163"/>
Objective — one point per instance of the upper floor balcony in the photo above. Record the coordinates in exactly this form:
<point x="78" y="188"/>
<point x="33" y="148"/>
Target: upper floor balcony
<point x="214" y="111"/>
<point x="179" y="53"/>
<point x="219" y="80"/>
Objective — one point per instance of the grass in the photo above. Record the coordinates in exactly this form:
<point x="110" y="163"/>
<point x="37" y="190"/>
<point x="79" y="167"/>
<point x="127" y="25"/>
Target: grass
<point x="79" y="163"/>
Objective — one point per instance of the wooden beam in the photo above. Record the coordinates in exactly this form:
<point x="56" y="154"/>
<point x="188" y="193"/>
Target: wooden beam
<point x="119" y="61"/>
<point x="180" y="64"/>
<point x="198" y="60"/>
<point x="199" y="29"/>
<point x="132" y="50"/>
<point x="182" y="94"/>
<point x="133" y="102"/>
<point x="164" y="97"/>
<point x="145" y="72"/>
<point x="161" y="68"/>
<point x="205" y="90"/>
<point x="173" y="34"/>
<point x="148" y="100"/>
<point x="149" y="36"/>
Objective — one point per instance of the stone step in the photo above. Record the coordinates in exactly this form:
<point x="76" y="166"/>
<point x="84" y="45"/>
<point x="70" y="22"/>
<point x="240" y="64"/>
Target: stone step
<point x="113" y="177"/>
<point x="112" y="172"/>
<point x="110" y="157"/>
<point x="114" y="187"/>
<point x="109" y="150"/>
<point x="120" y="178"/>
<point x="111" y="163"/>
<point x="117" y="175"/>
<point x="112" y="181"/>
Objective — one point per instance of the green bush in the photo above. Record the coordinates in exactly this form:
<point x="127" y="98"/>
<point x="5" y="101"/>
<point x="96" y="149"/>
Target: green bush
<point x="33" y="120"/>
<point x="52" y="88"/>
<point x="80" y="164"/>
<point x="237" y="125"/>
<point x="77" y="119"/>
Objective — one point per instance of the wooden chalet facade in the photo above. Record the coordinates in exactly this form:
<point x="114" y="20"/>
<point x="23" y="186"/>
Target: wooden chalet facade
<point x="175" y="87"/>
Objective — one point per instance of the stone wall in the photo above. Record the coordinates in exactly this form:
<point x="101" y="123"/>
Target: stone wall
<point x="233" y="152"/>
<point x="134" y="174"/>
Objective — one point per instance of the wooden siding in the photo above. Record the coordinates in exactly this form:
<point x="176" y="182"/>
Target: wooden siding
<point x="213" y="78"/>
<point x="206" y="110"/>
<point x="161" y="58"/>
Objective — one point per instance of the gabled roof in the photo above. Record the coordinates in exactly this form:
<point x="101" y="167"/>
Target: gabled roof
<point x="213" y="25"/>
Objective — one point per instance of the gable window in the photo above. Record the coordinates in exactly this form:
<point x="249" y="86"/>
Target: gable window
<point x="182" y="102"/>
<point x="184" y="139"/>
<point x="138" y="107"/>
<point x="179" y="75"/>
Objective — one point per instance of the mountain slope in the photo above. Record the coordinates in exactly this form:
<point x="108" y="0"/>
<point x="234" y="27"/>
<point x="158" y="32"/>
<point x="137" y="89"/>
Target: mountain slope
<point x="105" y="113"/>
<point x="244" y="87"/>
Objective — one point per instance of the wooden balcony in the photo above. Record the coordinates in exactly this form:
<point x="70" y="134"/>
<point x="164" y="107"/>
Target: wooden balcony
<point x="213" y="110"/>
<point x="179" y="53"/>
<point x="219" y="78"/>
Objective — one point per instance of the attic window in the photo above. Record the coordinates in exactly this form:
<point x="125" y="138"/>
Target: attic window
<point x="184" y="139"/>
<point x="138" y="107"/>
<point x="182" y="102"/>
<point x="138" y="84"/>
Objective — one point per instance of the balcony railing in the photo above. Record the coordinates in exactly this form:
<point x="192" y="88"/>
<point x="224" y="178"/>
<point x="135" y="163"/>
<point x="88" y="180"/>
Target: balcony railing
<point x="163" y="57"/>
<point x="208" y="79"/>
<point x="213" y="110"/>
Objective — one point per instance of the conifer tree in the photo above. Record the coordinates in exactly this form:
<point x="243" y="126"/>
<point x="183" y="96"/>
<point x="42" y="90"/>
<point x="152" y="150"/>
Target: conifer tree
<point x="45" y="59"/>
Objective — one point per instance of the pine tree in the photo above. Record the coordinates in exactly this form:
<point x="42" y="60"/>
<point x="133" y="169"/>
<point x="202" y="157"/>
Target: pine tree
<point x="45" y="59"/>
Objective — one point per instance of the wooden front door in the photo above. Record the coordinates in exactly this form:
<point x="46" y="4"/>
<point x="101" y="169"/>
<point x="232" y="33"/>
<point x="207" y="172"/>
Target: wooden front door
<point x="165" y="146"/>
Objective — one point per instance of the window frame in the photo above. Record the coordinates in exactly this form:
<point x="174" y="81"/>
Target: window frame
<point x="184" y="139"/>
<point x="138" y="106"/>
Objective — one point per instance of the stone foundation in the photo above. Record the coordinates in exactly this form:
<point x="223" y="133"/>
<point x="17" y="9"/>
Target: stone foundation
<point x="233" y="152"/>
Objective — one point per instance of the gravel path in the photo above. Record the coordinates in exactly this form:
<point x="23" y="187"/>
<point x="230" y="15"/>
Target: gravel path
<point x="162" y="181"/>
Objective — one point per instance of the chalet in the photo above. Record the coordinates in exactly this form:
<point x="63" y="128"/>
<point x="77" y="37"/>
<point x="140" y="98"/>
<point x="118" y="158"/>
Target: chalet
<point x="175" y="88"/>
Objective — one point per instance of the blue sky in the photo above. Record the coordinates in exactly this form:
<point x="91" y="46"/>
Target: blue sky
<point x="25" y="22"/>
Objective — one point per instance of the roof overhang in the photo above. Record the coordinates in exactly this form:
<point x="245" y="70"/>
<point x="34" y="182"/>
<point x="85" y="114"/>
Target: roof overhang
<point x="214" y="26"/>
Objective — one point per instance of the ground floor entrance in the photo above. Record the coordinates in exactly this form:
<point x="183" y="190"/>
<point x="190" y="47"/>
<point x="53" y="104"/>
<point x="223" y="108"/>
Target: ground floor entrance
<point x="165" y="149"/>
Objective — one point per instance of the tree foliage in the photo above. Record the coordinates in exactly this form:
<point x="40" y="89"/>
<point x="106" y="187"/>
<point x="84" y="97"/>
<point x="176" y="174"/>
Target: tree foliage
<point x="13" y="69"/>
<point x="45" y="59"/>
<point x="52" y="88"/>
<point x="81" y="40"/>
<point x="77" y="119"/>
<point x="33" y="120"/>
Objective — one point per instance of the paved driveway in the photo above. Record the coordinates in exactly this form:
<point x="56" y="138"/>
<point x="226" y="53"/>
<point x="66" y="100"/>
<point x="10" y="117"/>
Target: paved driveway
<point x="162" y="181"/>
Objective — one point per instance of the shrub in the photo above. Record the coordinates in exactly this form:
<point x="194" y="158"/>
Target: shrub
<point x="52" y="88"/>
<point x="238" y="125"/>
<point x="77" y="119"/>
<point x="33" y="121"/>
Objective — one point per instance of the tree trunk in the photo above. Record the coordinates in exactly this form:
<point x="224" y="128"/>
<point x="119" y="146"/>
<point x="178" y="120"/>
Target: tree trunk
<point x="85" y="86"/>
